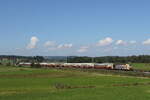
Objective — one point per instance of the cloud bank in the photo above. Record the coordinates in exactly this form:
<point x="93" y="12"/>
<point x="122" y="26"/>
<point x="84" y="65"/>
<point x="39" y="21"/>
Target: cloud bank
<point x="49" y="43"/>
<point x="146" y="42"/>
<point x="104" y="42"/>
<point x="103" y="46"/>
<point x="64" y="46"/>
<point x="83" y="49"/>
<point x="120" y="42"/>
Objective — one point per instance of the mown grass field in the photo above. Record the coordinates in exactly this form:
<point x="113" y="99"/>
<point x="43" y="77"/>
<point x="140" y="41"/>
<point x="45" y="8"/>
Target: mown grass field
<point x="141" y="66"/>
<point x="56" y="84"/>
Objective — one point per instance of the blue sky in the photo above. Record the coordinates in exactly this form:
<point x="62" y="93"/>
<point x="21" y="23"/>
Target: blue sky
<point x="75" y="27"/>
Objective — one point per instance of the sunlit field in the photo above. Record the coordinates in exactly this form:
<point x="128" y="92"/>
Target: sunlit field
<point x="141" y="66"/>
<point x="56" y="84"/>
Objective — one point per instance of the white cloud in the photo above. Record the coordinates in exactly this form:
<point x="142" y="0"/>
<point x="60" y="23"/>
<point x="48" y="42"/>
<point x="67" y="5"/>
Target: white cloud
<point x="132" y="42"/>
<point x="33" y="42"/>
<point x="63" y="46"/>
<point x="146" y="42"/>
<point x="49" y="43"/>
<point x="105" y="41"/>
<point x="53" y="46"/>
<point x="83" y="49"/>
<point x="121" y="42"/>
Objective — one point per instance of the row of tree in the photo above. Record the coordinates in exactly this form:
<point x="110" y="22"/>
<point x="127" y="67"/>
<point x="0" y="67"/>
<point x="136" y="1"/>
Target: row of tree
<point x="16" y="59"/>
<point x="77" y="59"/>
<point x="111" y="59"/>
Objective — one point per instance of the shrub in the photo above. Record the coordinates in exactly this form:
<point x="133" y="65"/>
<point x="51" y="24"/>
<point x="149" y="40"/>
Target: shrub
<point x="8" y="64"/>
<point x="33" y="65"/>
<point x="61" y="86"/>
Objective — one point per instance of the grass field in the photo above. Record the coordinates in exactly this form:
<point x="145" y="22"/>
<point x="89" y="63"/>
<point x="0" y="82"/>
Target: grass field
<point x="56" y="84"/>
<point x="141" y="66"/>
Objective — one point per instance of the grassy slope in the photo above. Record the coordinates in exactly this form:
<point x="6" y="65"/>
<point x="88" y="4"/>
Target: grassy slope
<point x="39" y="84"/>
<point x="141" y="66"/>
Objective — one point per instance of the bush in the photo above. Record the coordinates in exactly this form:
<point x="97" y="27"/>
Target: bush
<point x="33" y="65"/>
<point x="8" y="64"/>
<point x="61" y="86"/>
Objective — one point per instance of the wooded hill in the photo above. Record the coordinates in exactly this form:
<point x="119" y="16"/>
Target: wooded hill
<point x="78" y="59"/>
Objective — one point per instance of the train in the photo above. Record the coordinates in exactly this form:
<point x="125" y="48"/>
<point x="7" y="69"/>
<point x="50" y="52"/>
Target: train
<point x="109" y="66"/>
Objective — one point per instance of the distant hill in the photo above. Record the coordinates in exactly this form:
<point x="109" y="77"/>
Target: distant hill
<point x="56" y="58"/>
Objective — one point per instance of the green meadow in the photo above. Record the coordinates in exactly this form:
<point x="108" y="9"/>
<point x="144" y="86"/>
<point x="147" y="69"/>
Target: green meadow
<point x="18" y="83"/>
<point x="141" y="66"/>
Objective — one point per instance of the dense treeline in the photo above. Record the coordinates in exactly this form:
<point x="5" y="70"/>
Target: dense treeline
<point x="11" y="59"/>
<point x="55" y="59"/>
<point x="111" y="59"/>
<point x="77" y="59"/>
